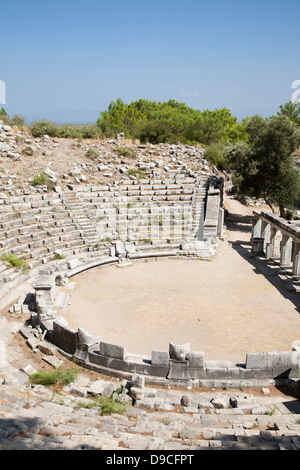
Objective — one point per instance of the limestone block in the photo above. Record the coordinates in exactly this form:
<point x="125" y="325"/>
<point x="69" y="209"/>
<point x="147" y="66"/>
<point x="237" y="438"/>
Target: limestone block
<point x="101" y="387"/>
<point x="160" y="358"/>
<point x="220" y="401"/>
<point x="53" y="361"/>
<point x="255" y="361"/>
<point x="86" y="338"/>
<point x="46" y="348"/>
<point x="113" y="350"/>
<point x="64" y="337"/>
<point x="178" y="371"/>
<point x="136" y="393"/>
<point x="73" y="263"/>
<point x="120" y="249"/>
<point x="272" y="360"/>
<point x="179" y="352"/>
<point x="61" y="279"/>
<point x="29" y="370"/>
<point x="138" y="381"/>
<point x="196" y="360"/>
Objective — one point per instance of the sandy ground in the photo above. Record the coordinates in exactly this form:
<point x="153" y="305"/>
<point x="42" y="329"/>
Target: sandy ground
<point x="224" y="308"/>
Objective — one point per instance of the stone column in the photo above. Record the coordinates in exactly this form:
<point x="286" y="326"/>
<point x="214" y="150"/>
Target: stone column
<point x="286" y="250"/>
<point x="265" y="233"/>
<point x="296" y="259"/>
<point x="256" y="226"/>
<point x="274" y="249"/>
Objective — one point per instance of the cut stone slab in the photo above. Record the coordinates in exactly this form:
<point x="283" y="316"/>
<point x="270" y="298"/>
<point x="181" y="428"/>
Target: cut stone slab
<point x="101" y="387"/>
<point x="29" y="370"/>
<point x="47" y="348"/>
<point x="53" y="361"/>
<point x="220" y="401"/>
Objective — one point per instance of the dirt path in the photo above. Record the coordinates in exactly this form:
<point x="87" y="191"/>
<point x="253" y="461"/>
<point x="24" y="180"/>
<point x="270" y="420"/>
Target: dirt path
<point x="225" y="308"/>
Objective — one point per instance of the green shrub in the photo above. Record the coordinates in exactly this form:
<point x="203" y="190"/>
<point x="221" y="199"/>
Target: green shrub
<point x="58" y="256"/>
<point x="67" y="131"/>
<point x="214" y="155"/>
<point x="110" y="405"/>
<point x="44" y="127"/>
<point x="63" y="377"/>
<point x="137" y="172"/>
<point x="27" y="151"/>
<point x="12" y="260"/>
<point x="18" y="121"/>
<point x="39" y="179"/>
<point x="126" y="152"/>
<point x="42" y="179"/>
<point x="92" y="154"/>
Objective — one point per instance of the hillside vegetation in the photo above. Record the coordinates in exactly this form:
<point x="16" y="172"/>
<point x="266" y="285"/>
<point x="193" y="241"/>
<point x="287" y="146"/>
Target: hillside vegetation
<point x="257" y="151"/>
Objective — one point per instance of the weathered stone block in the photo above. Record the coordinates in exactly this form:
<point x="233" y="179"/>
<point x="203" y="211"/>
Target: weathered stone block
<point x="72" y="263"/>
<point x="64" y="337"/>
<point x="113" y="350"/>
<point x="196" y="360"/>
<point x="86" y="338"/>
<point x="178" y="371"/>
<point x="255" y="361"/>
<point x="179" y="352"/>
<point x="160" y="358"/>
<point x="138" y="381"/>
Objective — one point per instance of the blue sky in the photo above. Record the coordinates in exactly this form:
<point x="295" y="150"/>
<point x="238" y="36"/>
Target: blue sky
<point x="67" y="60"/>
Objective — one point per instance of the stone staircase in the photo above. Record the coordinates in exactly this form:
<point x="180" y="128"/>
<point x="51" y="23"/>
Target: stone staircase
<point x="199" y="199"/>
<point x="77" y="213"/>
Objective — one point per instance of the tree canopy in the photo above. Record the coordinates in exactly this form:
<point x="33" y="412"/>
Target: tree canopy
<point x="292" y="111"/>
<point x="170" y="122"/>
<point x="263" y="166"/>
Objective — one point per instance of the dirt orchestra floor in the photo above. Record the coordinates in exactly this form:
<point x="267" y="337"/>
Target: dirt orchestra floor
<point x="225" y="308"/>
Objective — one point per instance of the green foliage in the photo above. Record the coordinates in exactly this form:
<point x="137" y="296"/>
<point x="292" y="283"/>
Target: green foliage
<point x="292" y="111"/>
<point x="106" y="405"/>
<point x="27" y="151"/>
<point x="42" y="180"/>
<point x="214" y="154"/>
<point x="12" y="260"/>
<point x="17" y="120"/>
<point x="137" y="172"/>
<point x="92" y="154"/>
<point x="263" y="166"/>
<point x="126" y="152"/>
<point x="39" y="179"/>
<point x="55" y="376"/>
<point x="170" y="122"/>
<point x="68" y="131"/>
<point x="58" y="256"/>
<point x="111" y="405"/>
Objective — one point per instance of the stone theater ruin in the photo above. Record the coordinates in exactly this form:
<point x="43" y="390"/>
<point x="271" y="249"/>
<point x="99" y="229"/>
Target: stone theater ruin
<point x="168" y="212"/>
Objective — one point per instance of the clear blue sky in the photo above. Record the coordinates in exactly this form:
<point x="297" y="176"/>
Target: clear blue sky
<point x="67" y="60"/>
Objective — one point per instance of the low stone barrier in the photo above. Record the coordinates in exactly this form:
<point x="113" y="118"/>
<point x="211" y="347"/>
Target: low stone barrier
<point x="177" y="365"/>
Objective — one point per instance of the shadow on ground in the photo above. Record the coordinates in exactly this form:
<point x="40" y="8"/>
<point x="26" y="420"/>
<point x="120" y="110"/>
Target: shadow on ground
<point x="272" y="271"/>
